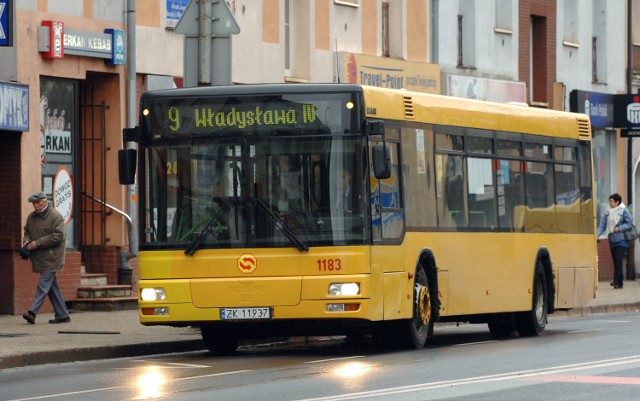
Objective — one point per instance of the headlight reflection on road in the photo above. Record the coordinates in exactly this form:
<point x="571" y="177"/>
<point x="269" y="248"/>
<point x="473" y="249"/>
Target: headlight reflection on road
<point x="150" y="383"/>
<point x="352" y="370"/>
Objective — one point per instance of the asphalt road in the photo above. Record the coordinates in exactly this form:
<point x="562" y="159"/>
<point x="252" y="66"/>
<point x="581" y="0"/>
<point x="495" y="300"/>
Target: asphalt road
<point x="578" y="358"/>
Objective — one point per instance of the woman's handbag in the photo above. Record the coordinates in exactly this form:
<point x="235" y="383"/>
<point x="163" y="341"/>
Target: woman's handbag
<point x="631" y="234"/>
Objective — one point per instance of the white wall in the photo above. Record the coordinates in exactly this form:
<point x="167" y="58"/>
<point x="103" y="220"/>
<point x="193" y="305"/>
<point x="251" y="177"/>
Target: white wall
<point x="574" y="64"/>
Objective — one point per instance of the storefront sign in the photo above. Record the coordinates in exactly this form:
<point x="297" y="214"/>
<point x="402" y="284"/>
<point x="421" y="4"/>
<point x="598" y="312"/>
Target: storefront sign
<point x="389" y="73"/>
<point x="626" y="111"/>
<point x="175" y="9"/>
<point x="598" y="106"/>
<point x="109" y="45"/>
<point x="63" y="193"/>
<point x="118" y="48"/>
<point x="491" y="90"/>
<point x="14" y="107"/>
<point x="51" y="33"/>
<point x="6" y="23"/>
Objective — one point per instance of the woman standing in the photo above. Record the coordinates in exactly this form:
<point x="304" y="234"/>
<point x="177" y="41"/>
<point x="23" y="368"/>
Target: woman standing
<point x="616" y="220"/>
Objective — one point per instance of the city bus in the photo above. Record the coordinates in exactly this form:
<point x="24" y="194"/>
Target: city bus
<point x="339" y="209"/>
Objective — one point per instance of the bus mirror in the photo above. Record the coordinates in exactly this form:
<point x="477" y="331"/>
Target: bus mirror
<point x="127" y="166"/>
<point x="375" y="127"/>
<point x="381" y="162"/>
<point x="130" y="135"/>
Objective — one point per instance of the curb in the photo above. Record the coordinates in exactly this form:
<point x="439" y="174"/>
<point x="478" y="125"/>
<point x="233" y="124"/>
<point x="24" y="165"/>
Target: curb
<point x="110" y="352"/>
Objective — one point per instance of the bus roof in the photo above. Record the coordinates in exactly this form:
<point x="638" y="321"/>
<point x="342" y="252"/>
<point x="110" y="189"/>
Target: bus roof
<point x="402" y="105"/>
<point x="253" y="89"/>
<point x="448" y="110"/>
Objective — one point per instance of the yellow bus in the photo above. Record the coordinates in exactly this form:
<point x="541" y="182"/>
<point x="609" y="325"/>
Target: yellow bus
<point x="327" y="209"/>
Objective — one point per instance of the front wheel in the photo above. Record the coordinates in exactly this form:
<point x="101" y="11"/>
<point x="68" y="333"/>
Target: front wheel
<point x="414" y="332"/>
<point x="533" y="322"/>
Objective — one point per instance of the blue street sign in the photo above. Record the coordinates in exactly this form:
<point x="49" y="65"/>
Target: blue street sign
<point x="6" y="20"/>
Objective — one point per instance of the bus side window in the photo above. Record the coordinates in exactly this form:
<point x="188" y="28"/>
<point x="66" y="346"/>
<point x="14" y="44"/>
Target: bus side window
<point x="450" y="190"/>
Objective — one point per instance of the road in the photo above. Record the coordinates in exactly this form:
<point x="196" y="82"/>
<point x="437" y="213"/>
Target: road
<point x="578" y="358"/>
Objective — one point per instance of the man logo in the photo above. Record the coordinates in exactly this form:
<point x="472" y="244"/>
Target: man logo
<point x="633" y="113"/>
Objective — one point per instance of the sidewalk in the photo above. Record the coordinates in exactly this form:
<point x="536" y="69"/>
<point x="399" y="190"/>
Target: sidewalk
<point x="99" y="335"/>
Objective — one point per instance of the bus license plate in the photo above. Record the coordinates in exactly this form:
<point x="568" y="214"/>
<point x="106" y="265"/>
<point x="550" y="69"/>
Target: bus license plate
<point x="245" y="313"/>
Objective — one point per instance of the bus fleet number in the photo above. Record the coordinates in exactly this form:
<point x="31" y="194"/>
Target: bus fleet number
<point x="329" y="264"/>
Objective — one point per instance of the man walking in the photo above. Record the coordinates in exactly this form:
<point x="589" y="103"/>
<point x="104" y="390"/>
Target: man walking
<point x="44" y="244"/>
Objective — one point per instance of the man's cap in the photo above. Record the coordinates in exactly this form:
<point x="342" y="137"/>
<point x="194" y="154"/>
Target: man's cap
<point x="36" y="196"/>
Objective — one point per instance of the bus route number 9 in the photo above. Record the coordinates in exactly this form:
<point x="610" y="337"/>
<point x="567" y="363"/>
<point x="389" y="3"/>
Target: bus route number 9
<point x="330" y="265"/>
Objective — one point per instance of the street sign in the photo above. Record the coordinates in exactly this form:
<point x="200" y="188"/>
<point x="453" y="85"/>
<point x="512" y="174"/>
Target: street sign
<point x="222" y="24"/>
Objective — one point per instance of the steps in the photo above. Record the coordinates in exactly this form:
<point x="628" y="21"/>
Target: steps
<point x="94" y="294"/>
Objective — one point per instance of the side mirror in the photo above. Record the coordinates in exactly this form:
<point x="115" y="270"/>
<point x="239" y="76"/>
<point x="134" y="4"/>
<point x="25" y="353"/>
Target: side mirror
<point x="381" y="161"/>
<point x="127" y="166"/>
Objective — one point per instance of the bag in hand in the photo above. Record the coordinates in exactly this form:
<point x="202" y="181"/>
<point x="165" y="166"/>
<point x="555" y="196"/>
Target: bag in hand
<point x="631" y="234"/>
<point x="24" y="253"/>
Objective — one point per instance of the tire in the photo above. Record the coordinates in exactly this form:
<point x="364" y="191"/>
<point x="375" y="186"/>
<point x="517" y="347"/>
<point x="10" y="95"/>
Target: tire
<point x="413" y="333"/>
<point x="219" y="342"/>
<point x="533" y="322"/>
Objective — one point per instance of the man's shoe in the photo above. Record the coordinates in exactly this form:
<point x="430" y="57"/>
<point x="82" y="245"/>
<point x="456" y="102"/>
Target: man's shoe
<point x="30" y="317"/>
<point x="63" y="320"/>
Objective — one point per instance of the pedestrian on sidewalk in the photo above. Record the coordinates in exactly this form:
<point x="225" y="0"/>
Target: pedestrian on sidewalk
<point x="44" y="243"/>
<point x="614" y="221"/>
<point x="631" y="255"/>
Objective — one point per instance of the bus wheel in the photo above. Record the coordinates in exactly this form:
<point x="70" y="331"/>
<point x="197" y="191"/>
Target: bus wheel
<point x="413" y="332"/>
<point x="533" y="322"/>
<point x="217" y="341"/>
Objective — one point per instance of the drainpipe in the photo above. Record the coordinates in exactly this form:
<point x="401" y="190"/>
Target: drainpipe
<point x="124" y="271"/>
<point x="630" y="171"/>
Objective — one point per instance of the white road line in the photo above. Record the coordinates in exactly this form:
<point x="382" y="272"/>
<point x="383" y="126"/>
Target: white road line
<point x="172" y="364"/>
<point x="583" y="331"/>
<point x="480" y="379"/>
<point x="97" y="390"/>
<point x="336" y="359"/>
<point x="475" y="343"/>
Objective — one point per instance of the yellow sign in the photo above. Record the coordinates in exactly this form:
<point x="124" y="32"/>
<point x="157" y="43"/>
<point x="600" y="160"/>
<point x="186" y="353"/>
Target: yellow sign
<point x="247" y="263"/>
<point x="393" y="73"/>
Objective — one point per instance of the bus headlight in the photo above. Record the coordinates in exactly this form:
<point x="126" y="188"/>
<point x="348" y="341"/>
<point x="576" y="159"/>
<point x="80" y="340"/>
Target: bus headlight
<point x="153" y="294"/>
<point x="346" y="289"/>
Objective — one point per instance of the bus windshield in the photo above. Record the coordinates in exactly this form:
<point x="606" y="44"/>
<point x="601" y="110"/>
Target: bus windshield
<point x="256" y="188"/>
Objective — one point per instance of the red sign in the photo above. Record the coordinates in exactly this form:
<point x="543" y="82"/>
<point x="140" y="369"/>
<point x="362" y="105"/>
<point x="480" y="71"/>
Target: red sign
<point x="247" y="263"/>
<point x="56" y="39"/>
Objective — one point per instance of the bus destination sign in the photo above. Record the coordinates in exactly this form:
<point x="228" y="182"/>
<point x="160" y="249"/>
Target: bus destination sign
<point x="187" y="118"/>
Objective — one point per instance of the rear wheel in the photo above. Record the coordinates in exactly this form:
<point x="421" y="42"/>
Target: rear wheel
<point x="217" y="341"/>
<point x="414" y="332"/>
<point x="534" y="322"/>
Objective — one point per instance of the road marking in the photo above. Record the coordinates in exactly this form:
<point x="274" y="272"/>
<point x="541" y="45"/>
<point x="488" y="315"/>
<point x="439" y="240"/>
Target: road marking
<point x="336" y="359"/>
<point x="583" y="331"/>
<point x="586" y="379"/>
<point x="521" y="375"/>
<point x="97" y="390"/>
<point x="611" y="321"/>
<point x="475" y="343"/>
<point x="158" y="363"/>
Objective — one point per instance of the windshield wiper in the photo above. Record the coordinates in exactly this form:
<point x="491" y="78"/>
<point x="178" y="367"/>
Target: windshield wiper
<point x="213" y="224"/>
<point x="277" y="221"/>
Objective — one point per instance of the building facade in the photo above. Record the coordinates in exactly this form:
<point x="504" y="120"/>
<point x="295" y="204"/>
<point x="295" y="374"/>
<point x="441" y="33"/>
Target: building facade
<point x="64" y="75"/>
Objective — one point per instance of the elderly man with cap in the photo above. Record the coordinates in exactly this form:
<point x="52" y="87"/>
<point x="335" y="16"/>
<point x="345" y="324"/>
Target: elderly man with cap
<point x="44" y="244"/>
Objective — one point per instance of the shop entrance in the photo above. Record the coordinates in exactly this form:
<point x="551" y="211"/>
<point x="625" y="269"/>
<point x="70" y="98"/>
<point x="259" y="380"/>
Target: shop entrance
<point x="97" y="101"/>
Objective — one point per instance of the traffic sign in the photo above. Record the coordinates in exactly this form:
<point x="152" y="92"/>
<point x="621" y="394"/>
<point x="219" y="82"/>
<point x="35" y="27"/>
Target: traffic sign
<point x="222" y="23"/>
